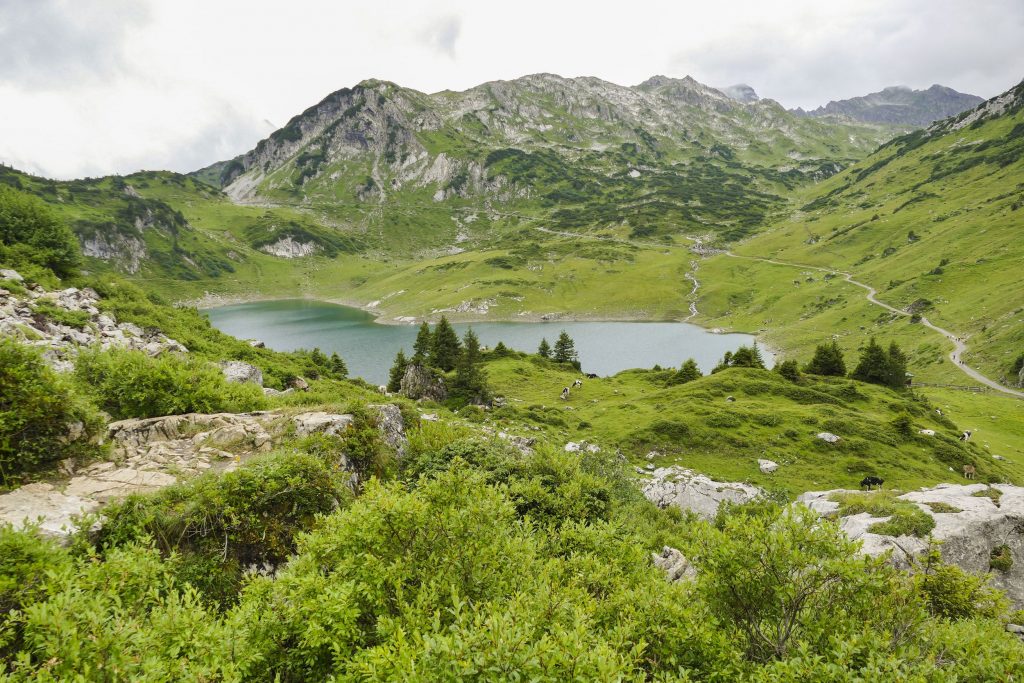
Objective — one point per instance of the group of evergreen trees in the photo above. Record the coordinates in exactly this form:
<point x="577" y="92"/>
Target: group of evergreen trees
<point x="564" y="351"/>
<point x="441" y="350"/>
<point x="877" y="365"/>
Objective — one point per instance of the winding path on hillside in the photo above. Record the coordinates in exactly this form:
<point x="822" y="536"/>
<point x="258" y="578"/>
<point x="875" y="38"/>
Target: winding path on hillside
<point x="955" y="357"/>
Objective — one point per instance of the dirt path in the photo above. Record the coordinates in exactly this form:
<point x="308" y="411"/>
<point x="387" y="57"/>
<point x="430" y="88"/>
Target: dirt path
<point x="955" y="357"/>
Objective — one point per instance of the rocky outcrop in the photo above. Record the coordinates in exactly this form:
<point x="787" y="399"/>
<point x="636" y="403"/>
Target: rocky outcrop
<point x="392" y="427"/>
<point x="420" y="382"/>
<point x="240" y="373"/>
<point x="26" y="318"/>
<point x="149" y="454"/>
<point x="676" y="566"/>
<point x="970" y="521"/>
<point x="330" y="424"/>
<point x="687" y="490"/>
<point x="767" y="466"/>
<point x="289" y="247"/>
<point x="900" y="105"/>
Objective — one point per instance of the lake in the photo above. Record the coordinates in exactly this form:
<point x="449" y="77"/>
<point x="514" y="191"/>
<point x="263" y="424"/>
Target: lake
<point x="369" y="348"/>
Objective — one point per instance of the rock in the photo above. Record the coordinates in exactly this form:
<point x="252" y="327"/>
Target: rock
<point x="118" y="483"/>
<point x="44" y="504"/>
<point x="675" y="565"/>
<point x="968" y="537"/>
<point x="1015" y="628"/>
<point x="429" y="417"/>
<point x="688" y="490"/>
<point x="321" y="423"/>
<point x="240" y="373"/>
<point x="730" y="399"/>
<point x="829" y="437"/>
<point x="652" y="455"/>
<point x="927" y="432"/>
<point x="392" y="427"/>
<point x="12" y="275"/>
<point x="523" y="444"/>
<point x="298" y="384"/>
<point x="421" y="383"/>
<point x="256" y="344"/>
<point x="572" y="447"/>
<point x="767" y="466"/>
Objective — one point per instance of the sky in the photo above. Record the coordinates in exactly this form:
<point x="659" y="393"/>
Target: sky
<point x="94" y="87"/>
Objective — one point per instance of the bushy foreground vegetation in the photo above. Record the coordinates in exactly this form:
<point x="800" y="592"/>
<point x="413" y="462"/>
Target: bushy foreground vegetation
<point x="475" y="563"/>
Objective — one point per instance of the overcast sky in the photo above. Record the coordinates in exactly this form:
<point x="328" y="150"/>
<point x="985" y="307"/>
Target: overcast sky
<point x="91" y="87"/>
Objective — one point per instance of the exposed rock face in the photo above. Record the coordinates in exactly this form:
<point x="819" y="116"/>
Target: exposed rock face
<point x="421" y="383"/>
<point x="675" y="565"/>
<point x="318" y="422"/>
<point x="392" y="427"/>
<point x="22" y="318"/>
<point x="741" y="92"/>
<point x="149" y="455"/>
<point x="901" y="105"/>
<point x="687" y="490"/>
<point x="127" y="250"/>
<point x="288" y="247"/>
<point x="968" y="537"/>
<point x="240" y="373"/>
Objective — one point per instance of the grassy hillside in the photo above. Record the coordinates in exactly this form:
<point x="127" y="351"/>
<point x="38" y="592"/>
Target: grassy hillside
<point x="694" y="425"/>
<point x="932" y="220"/>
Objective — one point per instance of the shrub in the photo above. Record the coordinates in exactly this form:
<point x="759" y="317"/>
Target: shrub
<point x="132" y="384"/>
<point x="42" y="419"/>
<point x="1001" y="558"/>
<point x="31" y="233"/>
<point x="952" y="593"/>
<point x="217" y="526"/>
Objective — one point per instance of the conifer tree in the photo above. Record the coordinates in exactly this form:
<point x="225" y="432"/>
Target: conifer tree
<point x="544" y="350"/>
<point x="565" y="349"/>
<point x="897" y="367"/>
<point x="421" y="347"/>
<point x="398" y="369"/>
<point x="789" y="369"/>
<point x="470" y="380"/>
<point x="686" y="373"/>
<point x="747" y="357"/>
<point x="444" y="351"/>
<point x="874" y="365"/>
<point x="338" y="367"/>
<point x="827" y="361"/>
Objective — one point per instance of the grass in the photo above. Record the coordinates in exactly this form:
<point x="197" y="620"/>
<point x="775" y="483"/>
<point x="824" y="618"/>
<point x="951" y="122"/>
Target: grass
<point x="693" y="425"/>
<point x="943" y="508"/>
<point x="904" y="517"/>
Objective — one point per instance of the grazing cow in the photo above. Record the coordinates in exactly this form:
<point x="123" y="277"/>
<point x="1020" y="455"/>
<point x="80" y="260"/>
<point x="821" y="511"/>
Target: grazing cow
<point x="966" y="436"/>
<point x="577" y="384"/>
<point x="969" y="471"/>
<point x="869" y="482"/>
<point x="565" y="393"/>
<point x="591" y="375"/>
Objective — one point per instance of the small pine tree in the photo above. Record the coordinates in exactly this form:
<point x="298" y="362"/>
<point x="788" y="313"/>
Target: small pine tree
<point x="747" y="357"/>
<point x="444" y="351"/>
<point x="686" y="373"/>
<point x="318" y="358"/>
<point x="789" y="369"/>
<point x="724" y="363"/>
<point x="500" y="349"/>
<point x="544" y="350"/>
<point x="398" y="369"/>
<point x="565" y="349"/>
<point x="897" y="368"/>
<point x="827" y="361"/>
<point x="421" y="347"/>
<point x="470" y="380"/>
<point x="338" y="367"/>
<point x="874" y="365"/>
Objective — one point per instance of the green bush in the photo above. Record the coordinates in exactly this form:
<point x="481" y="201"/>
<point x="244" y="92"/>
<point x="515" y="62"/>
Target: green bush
<point x="1001" y="558"/>
<point x="42" y="419"/>
<point x="30" y="233"/>
<point x="217" y="526"/>
<point x="132" y="384"/>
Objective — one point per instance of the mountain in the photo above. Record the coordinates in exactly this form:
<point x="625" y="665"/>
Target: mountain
<point x="900" y="105"/>
<point x="741" y="92"/>
<point x="662" y="157"/>
<point x="932" y="220"/>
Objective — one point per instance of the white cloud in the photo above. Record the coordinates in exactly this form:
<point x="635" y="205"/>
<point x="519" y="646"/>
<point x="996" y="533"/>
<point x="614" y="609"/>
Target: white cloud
<point x="101" y="86"/>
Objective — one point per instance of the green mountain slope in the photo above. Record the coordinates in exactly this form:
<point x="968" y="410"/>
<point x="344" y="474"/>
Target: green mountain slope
<point x="932" y="220"/>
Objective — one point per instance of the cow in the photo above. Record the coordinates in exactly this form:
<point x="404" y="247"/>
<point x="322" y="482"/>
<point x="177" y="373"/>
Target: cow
<point x="382" y="389"/>
<point x="966" y="436"/>
<point x="868" y="482"/>
<point x="591" y="375"/>
<point x="577" y="384"/>
<point x="565" y="393"/>
<point x="969" y="471"/>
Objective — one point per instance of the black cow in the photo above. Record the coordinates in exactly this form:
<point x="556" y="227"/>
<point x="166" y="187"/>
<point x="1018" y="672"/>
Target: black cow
<point x="868" y="482"/>
<point x="591" y="375"/>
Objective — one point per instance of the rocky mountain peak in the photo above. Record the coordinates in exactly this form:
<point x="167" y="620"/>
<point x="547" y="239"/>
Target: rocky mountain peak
<point x="741" y="92"/>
